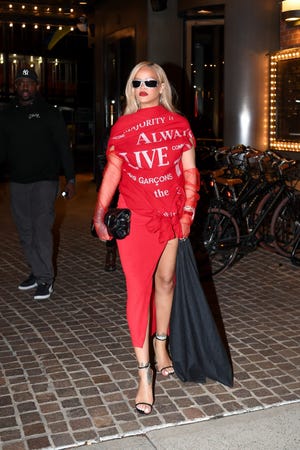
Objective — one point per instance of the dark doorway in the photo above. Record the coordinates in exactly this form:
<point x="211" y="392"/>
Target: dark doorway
<point x="207" y="81"/>
<point x="119" y="60"/>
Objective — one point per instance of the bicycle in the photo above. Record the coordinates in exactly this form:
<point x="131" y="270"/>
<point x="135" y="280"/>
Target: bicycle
<point x="235" y="229"/>
<point x="295" y="254"/>
<point x="285" y="225"/>
<point x="222" y="183"/>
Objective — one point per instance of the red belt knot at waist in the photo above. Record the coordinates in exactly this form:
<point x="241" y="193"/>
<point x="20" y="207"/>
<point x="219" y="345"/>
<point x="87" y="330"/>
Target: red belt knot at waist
<point x="166" y="223"/>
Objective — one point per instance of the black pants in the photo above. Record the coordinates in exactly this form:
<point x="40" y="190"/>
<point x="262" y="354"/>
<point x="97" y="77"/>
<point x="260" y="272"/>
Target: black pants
<point x="33" y="210"/>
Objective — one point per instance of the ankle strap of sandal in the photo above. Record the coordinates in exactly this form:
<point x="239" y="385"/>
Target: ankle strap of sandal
<point x="144" y="366"/>
<point x="161" y="337"/>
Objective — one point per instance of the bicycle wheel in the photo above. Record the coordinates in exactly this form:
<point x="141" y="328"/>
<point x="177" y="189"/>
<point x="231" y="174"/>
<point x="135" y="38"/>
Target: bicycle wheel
<point x="221" y="237"/>
<point x="285" y="224"/>
<point x="263" y="234"/>
<point x="295" y="256"/>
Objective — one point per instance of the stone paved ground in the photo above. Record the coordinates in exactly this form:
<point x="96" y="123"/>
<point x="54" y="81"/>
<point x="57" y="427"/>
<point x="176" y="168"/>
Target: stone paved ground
<point x="67" y="371"/>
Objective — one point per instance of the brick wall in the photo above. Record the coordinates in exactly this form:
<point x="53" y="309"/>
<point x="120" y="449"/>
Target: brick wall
<point x="289" y="36"/>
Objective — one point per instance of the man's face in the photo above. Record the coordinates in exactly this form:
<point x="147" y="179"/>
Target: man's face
<point x="26" y="90"/>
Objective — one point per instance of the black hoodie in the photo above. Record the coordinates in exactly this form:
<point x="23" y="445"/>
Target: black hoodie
<point x="34" y="142"/>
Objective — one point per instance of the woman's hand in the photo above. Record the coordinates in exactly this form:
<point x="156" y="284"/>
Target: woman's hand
<point x="186" y="221"/>
<point x="99" y="224"/>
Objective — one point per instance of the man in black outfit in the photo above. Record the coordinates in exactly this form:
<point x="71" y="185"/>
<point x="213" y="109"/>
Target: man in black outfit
<point x="34" y="143"/>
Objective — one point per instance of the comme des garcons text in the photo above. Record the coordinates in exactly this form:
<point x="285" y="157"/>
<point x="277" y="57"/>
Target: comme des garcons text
<point x="151" y="180"/>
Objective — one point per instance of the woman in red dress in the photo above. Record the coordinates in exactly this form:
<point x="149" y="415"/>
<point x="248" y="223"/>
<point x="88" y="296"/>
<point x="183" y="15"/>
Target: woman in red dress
<point x="151" y="159"/>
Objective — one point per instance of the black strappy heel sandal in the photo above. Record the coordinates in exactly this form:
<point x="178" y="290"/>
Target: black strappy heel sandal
<point x="167" y="370"/>
<point x="150" y="380"/>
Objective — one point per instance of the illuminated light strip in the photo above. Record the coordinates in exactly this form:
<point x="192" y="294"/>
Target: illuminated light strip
<point x="36" y="8"/>
<point x="37" y="26"/>
<point x="274" y="143"/>
<point x="18" y="13"/>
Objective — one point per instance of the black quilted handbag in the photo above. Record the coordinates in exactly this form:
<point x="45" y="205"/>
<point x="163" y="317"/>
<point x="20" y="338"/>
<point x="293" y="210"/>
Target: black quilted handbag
<point x="117" y="221"/>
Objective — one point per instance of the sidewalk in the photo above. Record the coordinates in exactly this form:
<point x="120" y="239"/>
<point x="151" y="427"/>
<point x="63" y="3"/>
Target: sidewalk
<point x="68" y="375"/>
<point x="276" y="428"/>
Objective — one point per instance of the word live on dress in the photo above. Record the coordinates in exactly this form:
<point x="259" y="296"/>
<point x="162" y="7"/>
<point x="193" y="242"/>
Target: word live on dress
<point x="150" y="143"/>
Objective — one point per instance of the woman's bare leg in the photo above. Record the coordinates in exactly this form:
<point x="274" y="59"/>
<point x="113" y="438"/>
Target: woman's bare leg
<point x="164" y="291"/>
<point x="144" y="396"/>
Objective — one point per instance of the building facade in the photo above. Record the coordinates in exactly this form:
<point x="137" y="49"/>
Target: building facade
<point x="233" y="64"/>
<point x="218" y="56"/>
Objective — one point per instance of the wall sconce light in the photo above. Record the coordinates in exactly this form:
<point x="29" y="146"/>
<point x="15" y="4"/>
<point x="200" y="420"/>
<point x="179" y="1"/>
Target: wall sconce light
<point x="291" y="11"/>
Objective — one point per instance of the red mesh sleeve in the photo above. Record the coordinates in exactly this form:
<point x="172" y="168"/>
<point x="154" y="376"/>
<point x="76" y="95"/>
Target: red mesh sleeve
<point x="191" y="187"/>
<point x="111" y="178"/>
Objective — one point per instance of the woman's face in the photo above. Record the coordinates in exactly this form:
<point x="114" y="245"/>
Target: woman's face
<point x="147" y="96"/>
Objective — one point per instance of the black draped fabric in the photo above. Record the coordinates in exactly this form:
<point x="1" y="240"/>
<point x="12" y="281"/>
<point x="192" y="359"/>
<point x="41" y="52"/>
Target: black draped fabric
<point x="196" y="347"/>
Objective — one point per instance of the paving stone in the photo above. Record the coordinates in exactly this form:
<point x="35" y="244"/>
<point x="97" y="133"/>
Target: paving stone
<point x="37" y="443"/>
<point x="14" y="445"/>
<point x="10" y="434"/>
<point x="67" y="369"/>
<point x="62" y="440"/>
<point x="29" y="418"/>
<point x="193" y="413"/>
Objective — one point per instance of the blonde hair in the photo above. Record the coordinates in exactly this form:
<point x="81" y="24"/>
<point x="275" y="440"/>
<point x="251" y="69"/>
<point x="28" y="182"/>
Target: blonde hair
<point x="166" y="96"/>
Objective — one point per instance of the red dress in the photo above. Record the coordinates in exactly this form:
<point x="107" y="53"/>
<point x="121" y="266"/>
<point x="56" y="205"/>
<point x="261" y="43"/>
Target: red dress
<point x="150" y="143"/>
